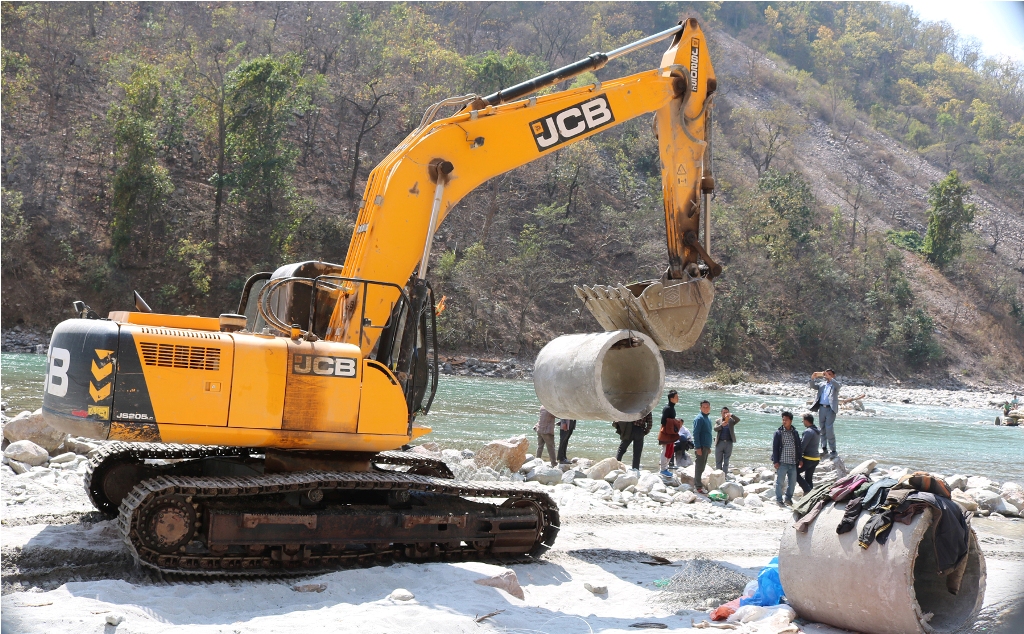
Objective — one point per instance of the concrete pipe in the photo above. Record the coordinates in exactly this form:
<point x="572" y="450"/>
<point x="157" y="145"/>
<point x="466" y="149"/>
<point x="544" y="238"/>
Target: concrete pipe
<point x="609" y="376"/>
<point x="888" y="588"/>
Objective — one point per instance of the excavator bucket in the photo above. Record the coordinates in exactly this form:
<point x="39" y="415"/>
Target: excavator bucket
<point x="671" y="312"/>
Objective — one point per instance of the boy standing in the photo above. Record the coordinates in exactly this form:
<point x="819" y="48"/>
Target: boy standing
<point x="786" y="458"/>
<point x="809" y="453"/>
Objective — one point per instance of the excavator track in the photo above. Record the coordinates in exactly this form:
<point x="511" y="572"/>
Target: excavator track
<point x="272" y="524"/>
<point x="175" y="525"/>
<point x="118" y="466"/>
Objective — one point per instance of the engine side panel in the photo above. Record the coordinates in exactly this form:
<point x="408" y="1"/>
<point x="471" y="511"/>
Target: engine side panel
<point x="258" y="381"/>
<point x="186" y="373"/>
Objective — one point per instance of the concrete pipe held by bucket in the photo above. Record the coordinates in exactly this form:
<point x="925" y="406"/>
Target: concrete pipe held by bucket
<point x="613" y="376"/>
<point x="890" y="588"/>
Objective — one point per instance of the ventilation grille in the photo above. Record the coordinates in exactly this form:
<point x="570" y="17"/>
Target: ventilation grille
<point x="180" y="333"/>
<point x="166" y="355"/>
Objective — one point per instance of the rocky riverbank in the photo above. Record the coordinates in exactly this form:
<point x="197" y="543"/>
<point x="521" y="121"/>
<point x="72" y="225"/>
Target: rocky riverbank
<point x="614" y="485"/>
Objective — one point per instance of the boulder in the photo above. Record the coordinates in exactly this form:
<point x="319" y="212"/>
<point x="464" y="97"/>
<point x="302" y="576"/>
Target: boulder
<point x="32" y="427"/>
<point x="545" y="475"/>
<point x="688" y="497"/>
<point x="986" y="499"/>
<point x="27" y="452"/>
<point x="659" y="496"/>
<point x="595" y="588"/>
<point x="503" y="454"/>
<point x="647" y="482"/>
<point x="713" y="479"/>
<point x="466" y="453"/>
<point x="64" y="457"/>
<point x="570" y="475"/>
<point x="767" y="475"/>
<point x="625" y="480"/>
<point x="401" y="594"/>
<point x="753" y="501"/>
<point x="684" y="478"/>
<point x="451" y="455"/>
<point x="1003" y="507"/>
<point x="506" y="581"/>
<point x="18" y="467"/>
<point x="757" y="488"/>
<point x="612" y="476"/>
<point x="978" y="482"/>
<point x="738" y="501"/>
<point x="965" y="501"/>
<point x="957" y="481"/>
<point x="603" y="468"/>
<point x="732" y="489"/>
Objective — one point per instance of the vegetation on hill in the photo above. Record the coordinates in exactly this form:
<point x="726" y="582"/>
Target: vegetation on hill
<point x="176" y="148"/>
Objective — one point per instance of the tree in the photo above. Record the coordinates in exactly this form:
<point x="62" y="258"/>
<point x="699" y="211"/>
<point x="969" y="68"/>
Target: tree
<point x="140" y="183"/>
<point x="829" y="59"/>
<point x="264" y="94"/>
<point x="763" y="134"/>
<point x="949" y="217"/>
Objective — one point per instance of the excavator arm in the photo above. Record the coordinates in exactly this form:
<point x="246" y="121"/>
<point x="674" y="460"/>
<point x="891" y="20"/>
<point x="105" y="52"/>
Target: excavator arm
<point x="414" y="188"/>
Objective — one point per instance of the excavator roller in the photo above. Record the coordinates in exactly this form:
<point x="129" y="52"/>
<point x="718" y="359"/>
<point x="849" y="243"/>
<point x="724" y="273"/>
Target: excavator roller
<point x="671" y="312"/>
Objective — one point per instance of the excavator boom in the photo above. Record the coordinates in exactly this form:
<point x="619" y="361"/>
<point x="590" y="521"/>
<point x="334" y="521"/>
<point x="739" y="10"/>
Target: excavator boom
<point x="414" y="188"/>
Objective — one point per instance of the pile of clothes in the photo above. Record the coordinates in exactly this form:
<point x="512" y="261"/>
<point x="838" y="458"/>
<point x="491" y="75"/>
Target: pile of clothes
<point x="888" y="501"/>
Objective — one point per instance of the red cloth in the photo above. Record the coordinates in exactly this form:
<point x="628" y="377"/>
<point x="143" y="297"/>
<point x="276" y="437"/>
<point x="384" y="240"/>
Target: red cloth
<point x="670" y="431"/>
<point x="723" y="611"/>
<point x="670" y="449"/>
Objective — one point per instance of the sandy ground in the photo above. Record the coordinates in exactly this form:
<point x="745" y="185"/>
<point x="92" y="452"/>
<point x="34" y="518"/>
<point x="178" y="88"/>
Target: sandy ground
<point x="65" y="571"/>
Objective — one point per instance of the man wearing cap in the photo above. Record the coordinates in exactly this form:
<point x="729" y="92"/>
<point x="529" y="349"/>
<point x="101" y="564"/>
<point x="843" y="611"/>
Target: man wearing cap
<point x="826" y="404"/>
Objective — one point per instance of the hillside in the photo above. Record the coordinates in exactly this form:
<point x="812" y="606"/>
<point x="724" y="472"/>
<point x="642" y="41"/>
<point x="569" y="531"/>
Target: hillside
<point x="144" y="149"/>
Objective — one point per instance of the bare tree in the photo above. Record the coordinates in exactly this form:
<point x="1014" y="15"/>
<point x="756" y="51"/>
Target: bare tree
<point x="371" y="114"/>
<point x="763" y="134"/>
<point x="996" y="231"/>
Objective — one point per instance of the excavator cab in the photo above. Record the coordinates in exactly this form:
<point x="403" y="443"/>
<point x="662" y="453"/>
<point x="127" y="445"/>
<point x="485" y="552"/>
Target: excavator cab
<point x="304" y="295"/>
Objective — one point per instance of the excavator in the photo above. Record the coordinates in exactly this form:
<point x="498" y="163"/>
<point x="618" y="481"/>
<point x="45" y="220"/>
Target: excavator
<point x="269" y="441"/>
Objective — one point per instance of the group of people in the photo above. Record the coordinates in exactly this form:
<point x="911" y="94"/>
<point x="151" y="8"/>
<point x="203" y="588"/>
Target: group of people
<point x="795" y="456"/>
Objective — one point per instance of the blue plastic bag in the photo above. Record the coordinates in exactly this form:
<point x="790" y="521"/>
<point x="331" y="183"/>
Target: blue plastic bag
<point x="769" y="588"/>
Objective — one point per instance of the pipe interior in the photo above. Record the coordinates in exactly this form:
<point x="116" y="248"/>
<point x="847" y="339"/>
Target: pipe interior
<point x="950" y="611"/>
<point x="631" y="378"/>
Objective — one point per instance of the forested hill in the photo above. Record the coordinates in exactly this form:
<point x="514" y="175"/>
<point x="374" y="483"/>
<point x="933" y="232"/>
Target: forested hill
<point x="870" y="171"/>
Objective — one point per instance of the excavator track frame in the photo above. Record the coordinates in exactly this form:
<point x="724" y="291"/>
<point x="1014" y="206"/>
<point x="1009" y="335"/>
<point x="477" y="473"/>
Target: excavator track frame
<point x="290" y="557"/>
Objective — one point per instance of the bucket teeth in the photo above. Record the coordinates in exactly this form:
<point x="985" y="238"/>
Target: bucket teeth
<point x="671" y="312"/>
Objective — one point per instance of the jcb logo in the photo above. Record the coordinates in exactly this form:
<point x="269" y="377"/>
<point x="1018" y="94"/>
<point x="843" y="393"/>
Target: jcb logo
<point x="323" y="366"/>
<point x="571" y="122"/>
<point x="694" y="63"/>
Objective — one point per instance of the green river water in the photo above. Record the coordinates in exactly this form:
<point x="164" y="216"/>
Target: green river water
<point x="468" y="412"/>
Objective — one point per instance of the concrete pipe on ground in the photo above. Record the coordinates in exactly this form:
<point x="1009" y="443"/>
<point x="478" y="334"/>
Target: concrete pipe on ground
<point x="609" y="376"/>
<point x="888" y="588"/>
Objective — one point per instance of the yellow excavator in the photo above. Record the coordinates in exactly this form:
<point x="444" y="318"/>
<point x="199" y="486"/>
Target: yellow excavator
<point x="268" y="440"/>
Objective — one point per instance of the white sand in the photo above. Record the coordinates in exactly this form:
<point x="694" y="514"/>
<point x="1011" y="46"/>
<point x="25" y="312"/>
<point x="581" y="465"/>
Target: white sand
<point x="596" y="544"/>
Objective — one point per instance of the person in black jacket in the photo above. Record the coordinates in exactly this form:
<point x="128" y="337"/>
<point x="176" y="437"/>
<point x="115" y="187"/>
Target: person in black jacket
<point x="632" y="433"/>
<point x="786" y="452"/>
<point x="809" y="454"/>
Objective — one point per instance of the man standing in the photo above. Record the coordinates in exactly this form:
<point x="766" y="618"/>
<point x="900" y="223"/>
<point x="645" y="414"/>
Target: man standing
<point x="545" y="428"/>
<point x="701" y="444"/>
<point x="632" y="433"/>
<point x="565" y="428"/>
<point x="826" y="404"/>
<point x="785" y="457"/>
<point x="809" y="454"/>
<point x="725" y="428"/>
